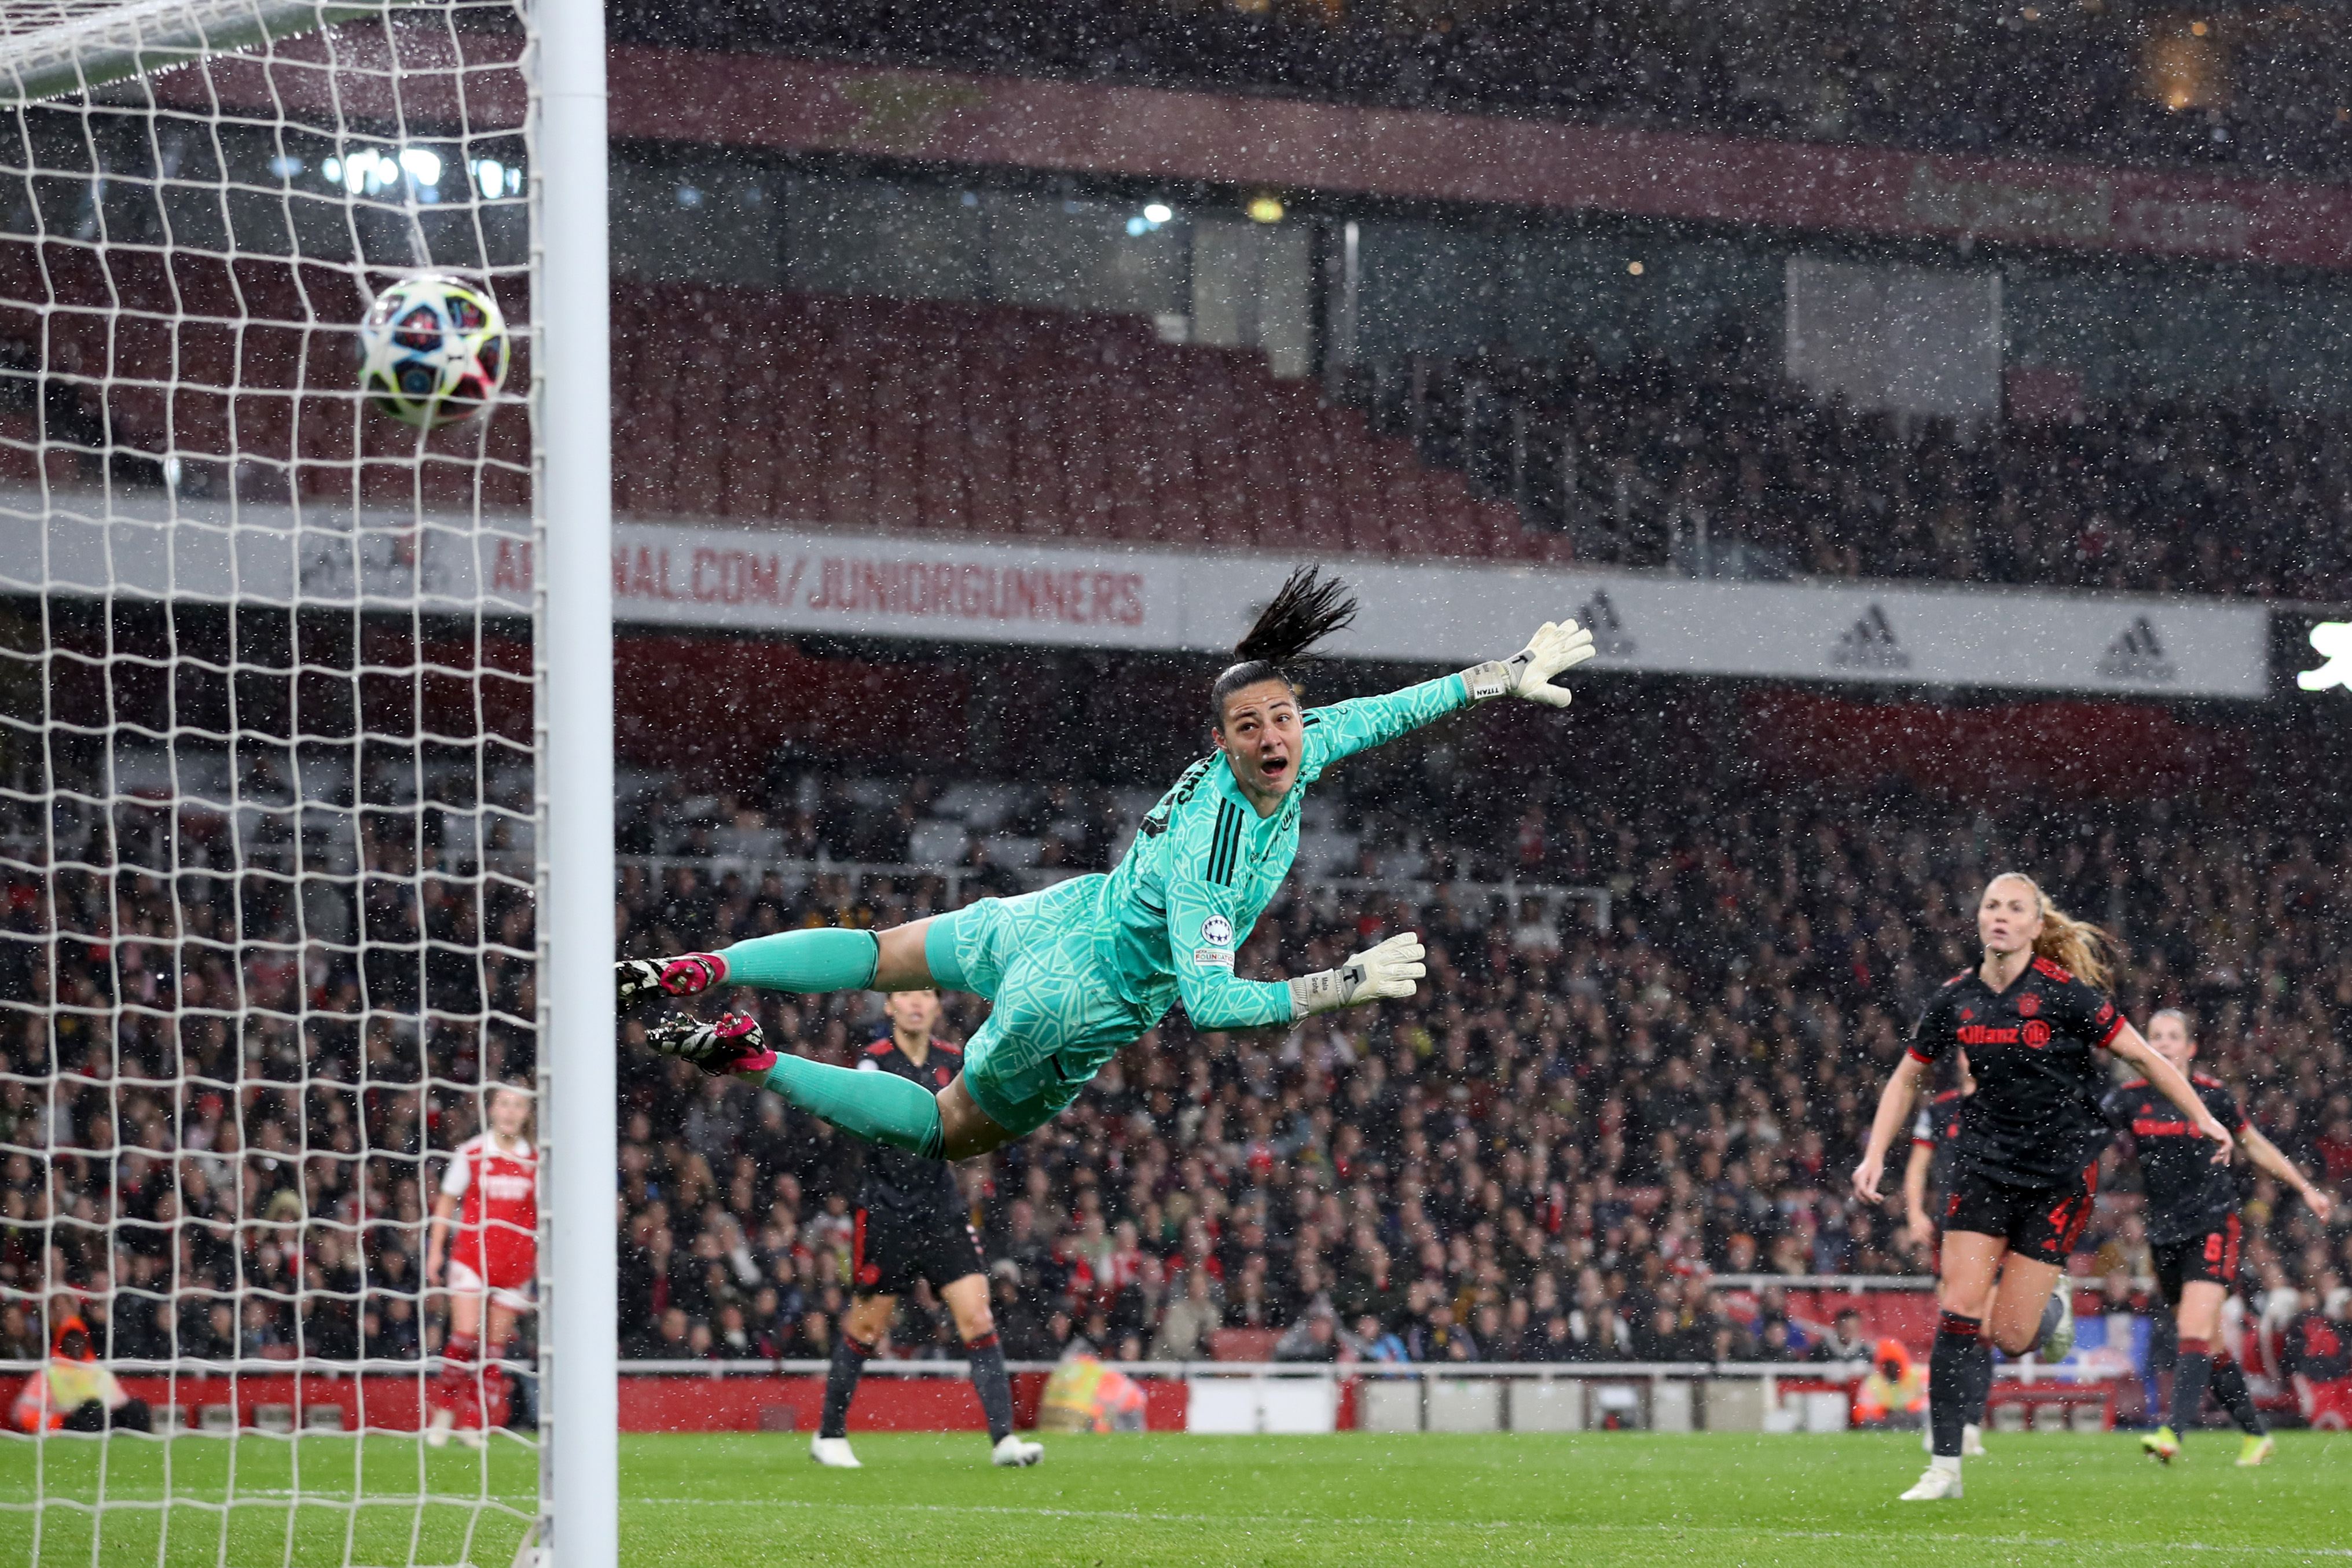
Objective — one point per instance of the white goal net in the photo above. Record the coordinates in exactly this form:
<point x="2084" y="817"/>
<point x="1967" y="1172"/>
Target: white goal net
<point x="270" y="795"/>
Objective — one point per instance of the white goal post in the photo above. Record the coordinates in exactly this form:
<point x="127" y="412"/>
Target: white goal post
<point x="306" y="805"/>
<point x="572" y="248"/>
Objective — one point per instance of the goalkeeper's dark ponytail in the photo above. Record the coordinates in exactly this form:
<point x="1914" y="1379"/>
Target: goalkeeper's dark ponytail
<point x="1308" y="608"/>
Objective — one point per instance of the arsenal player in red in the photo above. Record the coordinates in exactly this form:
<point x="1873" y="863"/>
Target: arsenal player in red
<point x="490" y="1190"/>
<point x="2194" y="1230"/>
<point x="2033" y="1022"/>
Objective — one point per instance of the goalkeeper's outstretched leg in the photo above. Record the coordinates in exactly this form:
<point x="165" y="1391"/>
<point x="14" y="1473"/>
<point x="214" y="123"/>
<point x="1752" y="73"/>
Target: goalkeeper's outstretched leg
<point x="879" y="1107"/>
<point x="823" y="959"/>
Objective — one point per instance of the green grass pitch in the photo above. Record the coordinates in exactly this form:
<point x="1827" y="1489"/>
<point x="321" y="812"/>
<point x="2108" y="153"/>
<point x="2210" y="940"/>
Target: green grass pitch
<point x="728" y="1501"/>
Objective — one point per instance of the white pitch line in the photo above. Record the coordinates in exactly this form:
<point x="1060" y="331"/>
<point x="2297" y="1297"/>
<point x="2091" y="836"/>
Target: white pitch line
<point x="1275" y="1520"/>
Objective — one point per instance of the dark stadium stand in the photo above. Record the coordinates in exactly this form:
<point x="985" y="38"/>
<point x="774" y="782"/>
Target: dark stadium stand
<point x="2255" y="91"/>
<point x="1654" y="462"/>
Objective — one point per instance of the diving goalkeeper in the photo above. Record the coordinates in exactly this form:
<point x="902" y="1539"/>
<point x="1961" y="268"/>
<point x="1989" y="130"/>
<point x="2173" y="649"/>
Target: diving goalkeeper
<point x="1081" y="968"/>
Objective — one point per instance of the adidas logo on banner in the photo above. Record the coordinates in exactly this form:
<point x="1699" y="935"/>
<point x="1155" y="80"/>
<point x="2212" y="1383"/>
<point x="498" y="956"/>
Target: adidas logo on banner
<point x="2138" y="656"/>
<point x="1600" y="617"/>
<point x="1870" y="645"/>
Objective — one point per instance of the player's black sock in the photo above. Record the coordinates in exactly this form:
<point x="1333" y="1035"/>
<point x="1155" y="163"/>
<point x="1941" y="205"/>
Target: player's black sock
<point x="995" y="1390"/>
<point x="2190" y="1372"/>
<point x="1957" y="1340"/>
<point x="2230" y="1388"/>
<point x="1978" y="1386"/>
<point x="841" y="1386"/>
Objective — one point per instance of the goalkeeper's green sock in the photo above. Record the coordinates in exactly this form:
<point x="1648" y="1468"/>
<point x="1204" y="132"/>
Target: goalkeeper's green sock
<point x="822" y="958"/>
<point x="880" y="1107"/>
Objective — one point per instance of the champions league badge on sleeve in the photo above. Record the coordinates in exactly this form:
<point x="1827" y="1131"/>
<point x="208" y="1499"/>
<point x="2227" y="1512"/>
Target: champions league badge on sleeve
<point x="1216" y="948"/>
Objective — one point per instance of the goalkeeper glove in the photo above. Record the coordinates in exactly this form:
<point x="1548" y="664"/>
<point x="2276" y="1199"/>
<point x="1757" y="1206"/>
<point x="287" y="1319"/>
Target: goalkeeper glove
<point x="1555" y="648"/>
<point x="1387" y="970"/>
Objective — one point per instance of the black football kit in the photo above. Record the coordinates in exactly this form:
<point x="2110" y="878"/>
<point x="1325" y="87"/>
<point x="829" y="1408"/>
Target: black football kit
<point x="2025" y="1166"/>
<point x="2193" y="1227"/>
<point x="911" y="1222"/>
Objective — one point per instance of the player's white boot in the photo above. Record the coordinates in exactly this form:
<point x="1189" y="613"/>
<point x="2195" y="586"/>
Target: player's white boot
<point x="471" y="1437"/>
<point x="2057" y="1340"/>
<point x="834" y="1454"/>
<point x="1942" y="1481"/>
<point x="1013" y="1451"/>
<point x="436" y="1431"/>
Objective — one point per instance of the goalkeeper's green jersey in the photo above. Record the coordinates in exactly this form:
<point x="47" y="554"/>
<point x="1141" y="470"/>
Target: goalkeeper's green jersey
<point x="1205" y="864"/>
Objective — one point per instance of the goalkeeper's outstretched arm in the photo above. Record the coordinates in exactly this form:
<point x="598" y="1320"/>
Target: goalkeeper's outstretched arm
<point x="1344" y="728"/>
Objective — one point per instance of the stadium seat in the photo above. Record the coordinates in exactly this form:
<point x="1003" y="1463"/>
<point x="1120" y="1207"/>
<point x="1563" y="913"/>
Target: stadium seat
<point x="988" y="436"/>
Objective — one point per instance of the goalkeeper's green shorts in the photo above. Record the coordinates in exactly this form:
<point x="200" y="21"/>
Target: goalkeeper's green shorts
<point x="1056" y="1016"/>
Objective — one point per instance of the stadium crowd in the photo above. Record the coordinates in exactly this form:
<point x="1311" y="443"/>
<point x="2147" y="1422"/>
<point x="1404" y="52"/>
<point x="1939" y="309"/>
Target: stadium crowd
<point x="1550" y="1155"/>
<point x="1546" y="1157"/>
<point x="2256" y="92"/>
<point x="1639" y="461"/>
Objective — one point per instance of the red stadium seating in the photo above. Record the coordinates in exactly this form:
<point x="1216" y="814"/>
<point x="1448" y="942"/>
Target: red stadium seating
<point x="910" y="416"/>
<point x="921" y="416"/>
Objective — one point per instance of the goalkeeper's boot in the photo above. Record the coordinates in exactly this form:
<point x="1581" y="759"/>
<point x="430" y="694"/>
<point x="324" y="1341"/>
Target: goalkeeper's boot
<point x="1972" y="1441"/>
<point x="643" y="981"/>
<point x="1015" y="1454"/>
<point x="2056" y="1336"/>
<point x="834" y="1454"/>
<point x="2256" y="1451"/>
<point x="727" y="1045"/>
<point x="1942" y="1481"/>
<point x="2163" y="1444"/>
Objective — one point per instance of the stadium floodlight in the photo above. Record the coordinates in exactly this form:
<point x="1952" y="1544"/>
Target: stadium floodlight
<point x="2332" y="641"/>
<point x="305" y="770"/>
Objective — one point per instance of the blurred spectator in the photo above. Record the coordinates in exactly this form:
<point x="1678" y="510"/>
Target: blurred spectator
<point x="1894" y="1392"/>
<point x="72" y="1392"/>
<point x="1845" y="1341"/>
<point x="1190" y="1319"/>
<point x="1313" y="1338"/>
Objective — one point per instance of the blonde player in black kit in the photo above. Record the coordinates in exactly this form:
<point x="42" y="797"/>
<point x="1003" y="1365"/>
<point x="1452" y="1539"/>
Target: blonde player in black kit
<point x="2193" y="1229"/>
<point x="2033" y="1026"/>
<point x="911" y="1225"/>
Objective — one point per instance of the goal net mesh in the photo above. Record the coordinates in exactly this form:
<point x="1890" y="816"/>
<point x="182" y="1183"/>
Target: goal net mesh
<point x="267" y="787"/>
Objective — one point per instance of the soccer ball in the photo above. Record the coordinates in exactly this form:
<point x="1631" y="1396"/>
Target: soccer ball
<point x="433" y="351"/>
